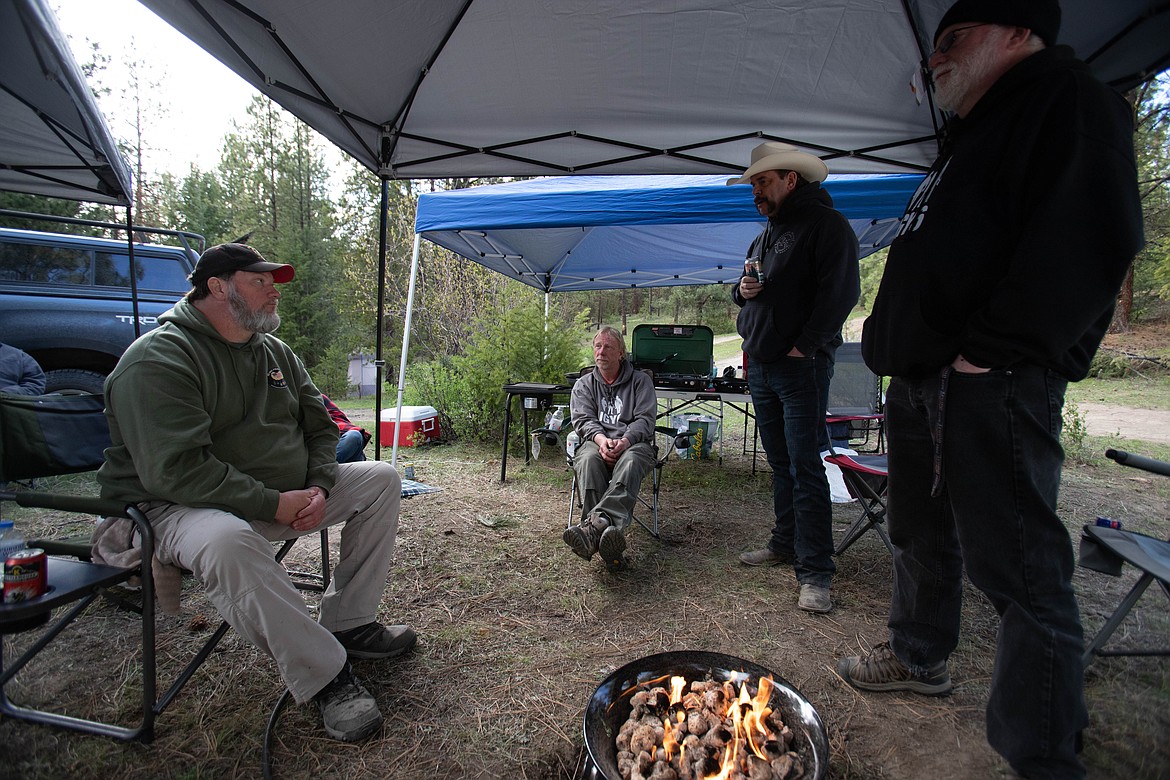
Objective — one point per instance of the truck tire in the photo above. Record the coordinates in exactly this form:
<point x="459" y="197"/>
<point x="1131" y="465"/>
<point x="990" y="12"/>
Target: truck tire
<point x="74" y="380"/>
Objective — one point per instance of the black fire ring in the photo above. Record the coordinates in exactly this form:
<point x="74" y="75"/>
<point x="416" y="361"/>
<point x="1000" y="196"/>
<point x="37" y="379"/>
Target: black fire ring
<point x="609" y="707"/>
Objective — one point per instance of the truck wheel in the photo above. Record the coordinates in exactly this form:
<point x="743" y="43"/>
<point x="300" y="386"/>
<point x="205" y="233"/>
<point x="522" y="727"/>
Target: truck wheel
<point x="74" y="380"/>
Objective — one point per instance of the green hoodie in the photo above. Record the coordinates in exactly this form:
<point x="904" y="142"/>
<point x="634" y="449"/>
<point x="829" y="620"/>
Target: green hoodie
<point x="199" y="421"/>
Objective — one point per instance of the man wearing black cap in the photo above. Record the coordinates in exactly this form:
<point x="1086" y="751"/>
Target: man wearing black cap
<point x="997" y="292"/>
<point x="220" y="436"/>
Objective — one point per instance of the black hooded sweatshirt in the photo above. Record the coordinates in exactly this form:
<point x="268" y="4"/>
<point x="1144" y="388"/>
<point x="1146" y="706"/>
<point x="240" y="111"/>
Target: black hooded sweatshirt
<point x="811" y="279"/>
<point x="1015" y="245"/>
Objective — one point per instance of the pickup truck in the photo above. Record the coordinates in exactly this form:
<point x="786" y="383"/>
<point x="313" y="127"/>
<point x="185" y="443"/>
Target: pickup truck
<point x="66" y="300"/>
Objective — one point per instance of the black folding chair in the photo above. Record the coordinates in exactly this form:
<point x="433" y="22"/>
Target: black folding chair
<point x="1105" y="549"/>
<point x="51" y="435"/>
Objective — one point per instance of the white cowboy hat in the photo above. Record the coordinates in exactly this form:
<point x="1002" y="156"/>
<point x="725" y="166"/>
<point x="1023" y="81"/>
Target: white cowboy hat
<point x="772" y="156"/>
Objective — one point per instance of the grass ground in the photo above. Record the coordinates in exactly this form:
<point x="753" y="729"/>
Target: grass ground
<point x="516" y="633"/>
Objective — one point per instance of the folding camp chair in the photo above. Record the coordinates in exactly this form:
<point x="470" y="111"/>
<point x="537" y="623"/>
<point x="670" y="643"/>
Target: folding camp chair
<point x="1105" y="549"/>
<point x="661" y="456"/>
<point x="866" y="477"/>
<point x="43" y="436"/>
<point x="855" y="401"/>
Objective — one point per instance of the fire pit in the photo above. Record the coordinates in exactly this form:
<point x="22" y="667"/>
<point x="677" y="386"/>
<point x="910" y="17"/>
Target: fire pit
<point x="611" y="705"/>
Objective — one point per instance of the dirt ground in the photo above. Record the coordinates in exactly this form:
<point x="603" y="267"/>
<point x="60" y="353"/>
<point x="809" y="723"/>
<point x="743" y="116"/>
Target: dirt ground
<point x="516" y="633"/>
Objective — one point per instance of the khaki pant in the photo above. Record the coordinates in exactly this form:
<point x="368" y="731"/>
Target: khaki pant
<point x="234" y="560"/>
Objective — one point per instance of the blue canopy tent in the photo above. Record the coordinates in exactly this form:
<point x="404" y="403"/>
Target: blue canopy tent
<point x="576" y="233"/>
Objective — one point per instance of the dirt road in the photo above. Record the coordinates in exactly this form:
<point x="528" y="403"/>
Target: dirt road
<point x="1126" y="422"/>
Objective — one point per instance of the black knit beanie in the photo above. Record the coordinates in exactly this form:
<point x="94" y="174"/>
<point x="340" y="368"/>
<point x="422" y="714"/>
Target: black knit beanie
<point x="1040" y="16"/>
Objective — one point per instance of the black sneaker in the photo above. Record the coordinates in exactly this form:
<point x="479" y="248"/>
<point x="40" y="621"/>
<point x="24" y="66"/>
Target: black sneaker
<point x="582" y="538"/>
<point x="882" y="671"/>
<point x="611" y="547"/>
<point x="348" y="710"/>
<point x="374" y="640"/>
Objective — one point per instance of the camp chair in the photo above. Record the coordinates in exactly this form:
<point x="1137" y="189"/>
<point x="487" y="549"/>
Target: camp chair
<point x="855" y="401"/>
<point x="43" y="436"/>
<point x="867" y="478"/>
<point x="1105" y="549"/>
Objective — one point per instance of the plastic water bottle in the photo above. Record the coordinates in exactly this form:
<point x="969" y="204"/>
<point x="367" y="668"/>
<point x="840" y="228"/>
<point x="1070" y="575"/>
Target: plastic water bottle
<point x="557" y="419"/>
<point x="10" y="540"/>
<point x="571" y="443"/>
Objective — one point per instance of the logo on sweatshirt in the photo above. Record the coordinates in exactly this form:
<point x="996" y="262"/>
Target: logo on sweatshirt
<point x="610" y="412"/>
<point x="918" y="206"/>
<point x="276" y="379"/>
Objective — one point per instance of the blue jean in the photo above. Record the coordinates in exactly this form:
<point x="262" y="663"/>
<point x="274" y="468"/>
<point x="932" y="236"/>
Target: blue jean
<point x="993" y="457"/>
<point x="790" y="397"/>
<point x="350" y="447"/>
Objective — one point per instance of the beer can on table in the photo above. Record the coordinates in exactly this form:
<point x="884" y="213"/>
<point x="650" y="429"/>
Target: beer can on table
<point x="25" y="575"/>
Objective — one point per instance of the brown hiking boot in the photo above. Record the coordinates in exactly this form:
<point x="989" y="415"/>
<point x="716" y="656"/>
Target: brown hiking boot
<point x="881" y="670"/>
<point x="583" y="538"/>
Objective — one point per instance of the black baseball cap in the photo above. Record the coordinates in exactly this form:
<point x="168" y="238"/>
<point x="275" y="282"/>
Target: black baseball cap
<point x="226" y="258"/>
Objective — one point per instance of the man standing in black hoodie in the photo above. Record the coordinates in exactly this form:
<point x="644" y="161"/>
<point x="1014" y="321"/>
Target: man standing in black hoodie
<point x="800" y="283"/>
<point x="997" y="292"/>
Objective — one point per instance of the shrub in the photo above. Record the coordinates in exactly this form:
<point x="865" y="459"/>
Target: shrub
<point x="509" y="345"/>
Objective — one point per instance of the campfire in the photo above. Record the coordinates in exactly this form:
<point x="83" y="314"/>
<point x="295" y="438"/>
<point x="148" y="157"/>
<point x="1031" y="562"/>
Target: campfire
<point x="706" y="730"/>
<point x="699" y="715"/>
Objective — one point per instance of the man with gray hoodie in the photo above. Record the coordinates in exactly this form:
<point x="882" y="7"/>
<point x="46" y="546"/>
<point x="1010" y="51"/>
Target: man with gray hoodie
<point x="613" y="409"/>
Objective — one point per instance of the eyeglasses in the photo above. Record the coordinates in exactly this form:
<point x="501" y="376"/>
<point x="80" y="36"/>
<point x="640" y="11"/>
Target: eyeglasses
<point x="949" y="39"/>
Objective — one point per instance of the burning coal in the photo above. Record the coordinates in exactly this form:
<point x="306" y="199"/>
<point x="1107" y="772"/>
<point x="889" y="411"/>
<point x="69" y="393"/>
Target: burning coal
<point x="705" y="731"/>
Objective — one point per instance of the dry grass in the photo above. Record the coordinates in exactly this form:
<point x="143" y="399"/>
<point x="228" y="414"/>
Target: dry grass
<point x="516" y="633"/>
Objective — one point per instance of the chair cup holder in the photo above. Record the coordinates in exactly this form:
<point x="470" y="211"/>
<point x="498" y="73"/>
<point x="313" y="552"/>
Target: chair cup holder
<point x="1096" y="556"/>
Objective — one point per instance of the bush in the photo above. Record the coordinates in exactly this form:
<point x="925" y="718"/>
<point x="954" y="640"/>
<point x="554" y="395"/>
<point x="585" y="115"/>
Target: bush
<point x="508" y="345"/>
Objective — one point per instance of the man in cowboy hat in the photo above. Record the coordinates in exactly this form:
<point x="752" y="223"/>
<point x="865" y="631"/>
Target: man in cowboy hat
<point x="997" y="292"/>
<point x="800" y="283"/>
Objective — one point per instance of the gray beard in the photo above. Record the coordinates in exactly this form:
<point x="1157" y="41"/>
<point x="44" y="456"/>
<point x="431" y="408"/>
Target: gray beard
<point x="255" y="321"/>
<point x="962" y="78"/>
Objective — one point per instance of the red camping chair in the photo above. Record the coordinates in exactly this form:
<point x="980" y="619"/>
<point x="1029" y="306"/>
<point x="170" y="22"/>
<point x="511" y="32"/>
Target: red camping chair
<point x="867" y="478"/>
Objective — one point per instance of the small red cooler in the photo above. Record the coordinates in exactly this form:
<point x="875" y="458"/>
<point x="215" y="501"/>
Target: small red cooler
<point x="420" y="424"/>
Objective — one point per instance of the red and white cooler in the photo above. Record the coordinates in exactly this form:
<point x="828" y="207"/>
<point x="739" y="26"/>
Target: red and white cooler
<point x="420" y="424"/>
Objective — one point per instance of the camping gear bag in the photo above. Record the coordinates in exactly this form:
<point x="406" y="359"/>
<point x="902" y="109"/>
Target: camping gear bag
<point x="46" y="435"/>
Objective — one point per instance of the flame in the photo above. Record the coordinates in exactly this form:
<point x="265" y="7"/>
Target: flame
<point x="748" y="724"/>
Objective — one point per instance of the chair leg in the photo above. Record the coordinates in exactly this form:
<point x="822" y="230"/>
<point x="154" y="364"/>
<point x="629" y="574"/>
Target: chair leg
<point x="652" y="504"/>
<point x="1096" y="646"/>
<point x="573" y="502"/>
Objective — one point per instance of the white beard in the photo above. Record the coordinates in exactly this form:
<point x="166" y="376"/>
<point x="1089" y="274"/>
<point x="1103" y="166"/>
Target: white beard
<point x="964" y="75"/>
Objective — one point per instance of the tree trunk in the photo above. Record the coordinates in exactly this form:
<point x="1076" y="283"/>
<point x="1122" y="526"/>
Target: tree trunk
<point x="1123" y="314"/>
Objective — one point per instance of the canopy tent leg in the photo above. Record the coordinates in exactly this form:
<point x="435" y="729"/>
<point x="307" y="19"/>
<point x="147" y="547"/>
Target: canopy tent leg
<point x="379" y="363"/>
<point x="405" y="347"/>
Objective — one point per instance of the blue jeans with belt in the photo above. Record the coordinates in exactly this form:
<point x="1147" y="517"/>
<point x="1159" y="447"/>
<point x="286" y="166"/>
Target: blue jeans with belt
<point x="789" y="397"/>
<point x="987" y="446"/>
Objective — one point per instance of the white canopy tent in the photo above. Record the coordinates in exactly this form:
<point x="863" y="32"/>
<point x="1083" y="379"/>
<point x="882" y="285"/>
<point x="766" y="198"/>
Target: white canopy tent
<point x="436" y="88"/>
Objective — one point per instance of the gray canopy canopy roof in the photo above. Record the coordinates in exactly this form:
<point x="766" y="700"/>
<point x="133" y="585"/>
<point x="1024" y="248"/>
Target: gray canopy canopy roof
<point x="438" y="88"/>
<point x="53" y="139"/>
